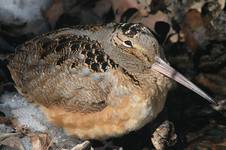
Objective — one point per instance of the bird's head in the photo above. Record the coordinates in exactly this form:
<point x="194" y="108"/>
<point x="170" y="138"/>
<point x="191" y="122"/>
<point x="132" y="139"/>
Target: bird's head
<point x="137" y="40"/>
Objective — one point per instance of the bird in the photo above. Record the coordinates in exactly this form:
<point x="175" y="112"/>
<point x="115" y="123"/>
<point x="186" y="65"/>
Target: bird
<point x="96" y="81"/>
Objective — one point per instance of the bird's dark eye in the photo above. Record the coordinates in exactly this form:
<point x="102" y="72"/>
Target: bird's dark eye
<point x="128" y="44"/>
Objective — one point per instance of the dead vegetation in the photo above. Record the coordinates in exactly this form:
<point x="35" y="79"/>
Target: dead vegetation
<point x="193" y="36"/>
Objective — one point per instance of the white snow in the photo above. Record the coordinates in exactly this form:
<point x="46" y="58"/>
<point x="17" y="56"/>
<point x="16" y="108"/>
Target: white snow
<point x="14" y="105"/>
<point x="24" y="16"/>
<point x="29" y="115"/>
<point x="22" y="10"/>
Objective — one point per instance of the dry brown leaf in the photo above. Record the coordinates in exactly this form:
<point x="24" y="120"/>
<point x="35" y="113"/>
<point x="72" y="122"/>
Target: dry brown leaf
<point x="198" y="5"/>
<point x="222" y="3"/>
<point x="4" y="120"/>
<point x="213" y="82"/>
<point x="40" y="141"/>
<point x="54" y="12"/>
<point x="150" y="20"/>
<point x="13" y="142"/>
<point x="193" y="22"/>
<point x="193" y="19"/>
<point x="102" y="7"/>
<point x="4" y="136"/>
<point x="81" y="146"/>
<point x="222" y="144"/>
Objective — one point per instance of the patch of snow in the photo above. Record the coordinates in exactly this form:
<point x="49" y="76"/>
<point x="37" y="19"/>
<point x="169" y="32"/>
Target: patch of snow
<point x="22" y="10"/>
<point x="26" y="142"/>
<point x="26" y="114"/>
<point x="5" y="129"/>
<point x="24" y="16"/>
<point x="30" y="116"/>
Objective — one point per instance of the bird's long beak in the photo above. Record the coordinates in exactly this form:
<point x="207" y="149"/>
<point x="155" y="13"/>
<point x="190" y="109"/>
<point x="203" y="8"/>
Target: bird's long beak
<point x="164" y="68"/>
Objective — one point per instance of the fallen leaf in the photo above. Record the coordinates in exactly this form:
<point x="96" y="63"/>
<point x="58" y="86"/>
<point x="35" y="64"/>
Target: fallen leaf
<point x="13" y="142"/>
<point x="151" y="19"/>
<point x="193" y="29"/>
<point x="222" y="3"/>
<point x="40" y="141"/>
<point x="81" y="146"/>
<point x="121" y="6"/>
<point x="4" y="120"/>
<point x="102" y="7"/>
<point x="53" y="13"/>
<point x="213" y="82"/>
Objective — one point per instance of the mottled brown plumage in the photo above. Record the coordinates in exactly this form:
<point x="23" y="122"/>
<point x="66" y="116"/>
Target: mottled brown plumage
<point x="95" y="81"/>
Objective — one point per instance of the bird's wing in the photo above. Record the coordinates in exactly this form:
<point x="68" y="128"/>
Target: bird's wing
<point x="65" y="70"/>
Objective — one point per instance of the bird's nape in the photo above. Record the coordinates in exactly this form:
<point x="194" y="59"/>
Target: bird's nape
<point x="164" y="68"/>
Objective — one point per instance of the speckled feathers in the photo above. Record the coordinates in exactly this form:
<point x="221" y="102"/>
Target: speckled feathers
<point x="92" y="74"/>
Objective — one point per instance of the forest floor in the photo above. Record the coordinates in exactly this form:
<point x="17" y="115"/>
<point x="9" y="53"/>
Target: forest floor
<point x="192" y="35"/>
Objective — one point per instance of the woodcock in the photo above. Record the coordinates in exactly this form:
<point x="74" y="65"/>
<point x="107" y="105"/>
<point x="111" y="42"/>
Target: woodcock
<point x="97" y="81"/>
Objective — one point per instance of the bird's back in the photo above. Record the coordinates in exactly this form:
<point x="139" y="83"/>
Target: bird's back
<point x="65" y="69"/>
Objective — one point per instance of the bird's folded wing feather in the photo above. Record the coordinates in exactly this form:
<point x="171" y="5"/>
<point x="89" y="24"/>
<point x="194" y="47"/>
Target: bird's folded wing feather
<point x="65" y="70"/>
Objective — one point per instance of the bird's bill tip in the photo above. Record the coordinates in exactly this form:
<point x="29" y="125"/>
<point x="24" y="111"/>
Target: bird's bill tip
<point x="162" y="67"/>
